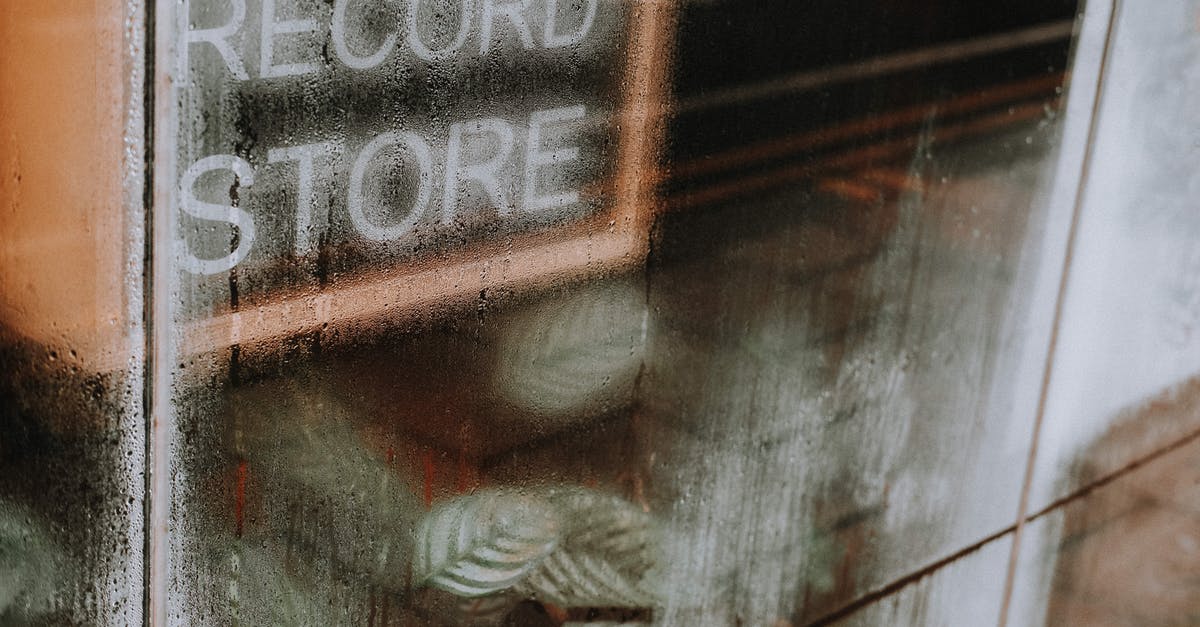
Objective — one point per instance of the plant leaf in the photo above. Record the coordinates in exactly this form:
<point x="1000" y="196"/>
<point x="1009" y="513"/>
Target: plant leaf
<point x="606" y="558"/>
<point x="30" y="564"/>
<point x="570" y="359"/>
<point x="580" y="579"/>
<point x="319" y="481"/>
<point x="484" y="543"/>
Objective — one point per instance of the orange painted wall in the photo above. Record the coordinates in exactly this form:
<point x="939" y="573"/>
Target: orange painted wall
<point x="63" y="243"/>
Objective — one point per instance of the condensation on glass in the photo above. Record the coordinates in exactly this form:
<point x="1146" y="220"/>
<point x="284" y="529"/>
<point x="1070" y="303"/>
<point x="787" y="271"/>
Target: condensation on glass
<point x="566" y="312"/>
<point x="430" y="362"/>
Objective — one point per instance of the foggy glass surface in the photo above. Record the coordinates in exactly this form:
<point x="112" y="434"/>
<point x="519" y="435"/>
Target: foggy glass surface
<point x="545" y="312"/>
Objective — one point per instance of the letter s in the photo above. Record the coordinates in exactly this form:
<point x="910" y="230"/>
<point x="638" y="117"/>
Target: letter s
<point x="218" y="213"/>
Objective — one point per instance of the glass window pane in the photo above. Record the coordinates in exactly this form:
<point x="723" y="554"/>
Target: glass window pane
<point x="548" y="311"/>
